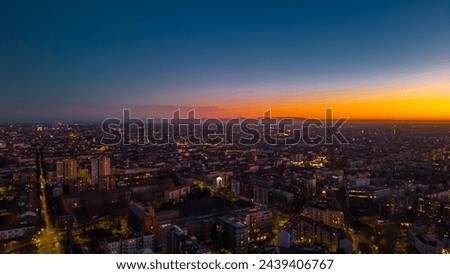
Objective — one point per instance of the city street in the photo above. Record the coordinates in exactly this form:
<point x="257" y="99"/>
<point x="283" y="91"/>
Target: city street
<point x="48" y="237"/>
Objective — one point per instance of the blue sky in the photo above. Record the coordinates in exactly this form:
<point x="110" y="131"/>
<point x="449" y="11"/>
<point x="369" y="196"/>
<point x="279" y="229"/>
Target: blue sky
<point x="60" y="58"/>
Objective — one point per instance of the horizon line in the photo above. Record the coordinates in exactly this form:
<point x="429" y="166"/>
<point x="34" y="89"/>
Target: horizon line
<point x="240" y="117"/>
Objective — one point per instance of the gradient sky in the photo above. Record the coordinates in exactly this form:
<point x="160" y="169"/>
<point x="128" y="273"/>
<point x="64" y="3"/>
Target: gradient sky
<point x="86" y="60"/>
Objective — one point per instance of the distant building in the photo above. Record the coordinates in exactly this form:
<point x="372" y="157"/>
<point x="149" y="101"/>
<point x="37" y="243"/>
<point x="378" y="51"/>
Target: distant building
<point x="100" y="168"/>
<point x="235" y="186"/>
<point x="312" y="185"/>
<point x="328" y="216"/>
<point x="64" y="213"/>
<point x="421" y="240"/>
<point x="66" y="169"/>
<point x="199" y="226"/>
<point x="288" y="234"/>
<point x="138" y="218"/>
<point x="57" y="190"/>
<point x="141" y="219"/>
<point x="25" y="176"/>
<point x="232" y="234"/>
<point x="259" y="223"/>
<point x="335" y="239"/>
<point x="361" y="180"/>
<point x="280" y="198"/>
<point x="176" y="194"/>
<point x="77" y="185"/>
<point x="177" y="241"/>
<point x="365" y="198"/>
<point x="129" y="244"/>
<point x="433" y="208"/>
<point x="242" y="188"/>
<point x="261" y="195"/>
<point x="261" y="189"/>
<point x="424" y="243"/>
<point x="16" y="231"/>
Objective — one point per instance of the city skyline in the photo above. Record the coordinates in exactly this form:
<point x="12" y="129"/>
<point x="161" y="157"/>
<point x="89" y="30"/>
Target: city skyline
<point x="87" y="61"/>
<point x="225" y="127"/>
<point x="63" y="190"/>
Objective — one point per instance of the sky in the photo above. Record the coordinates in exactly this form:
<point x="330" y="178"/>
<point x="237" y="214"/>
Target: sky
<point x="87" y="60"/>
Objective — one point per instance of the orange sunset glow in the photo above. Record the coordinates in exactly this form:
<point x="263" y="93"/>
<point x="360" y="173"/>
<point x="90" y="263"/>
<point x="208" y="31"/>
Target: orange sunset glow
<point x="422" y="102"/>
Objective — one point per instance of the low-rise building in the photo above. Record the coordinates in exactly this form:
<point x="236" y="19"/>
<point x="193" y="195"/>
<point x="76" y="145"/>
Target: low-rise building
<point x="130" y="244"/>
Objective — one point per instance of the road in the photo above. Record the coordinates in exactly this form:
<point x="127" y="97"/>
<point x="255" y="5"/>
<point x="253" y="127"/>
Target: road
<point x="48" y="238"/>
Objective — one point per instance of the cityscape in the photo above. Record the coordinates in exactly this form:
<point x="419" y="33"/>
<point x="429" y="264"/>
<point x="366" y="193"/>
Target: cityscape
<point x="63" y="191"/>
<point x="225" y="127"/>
